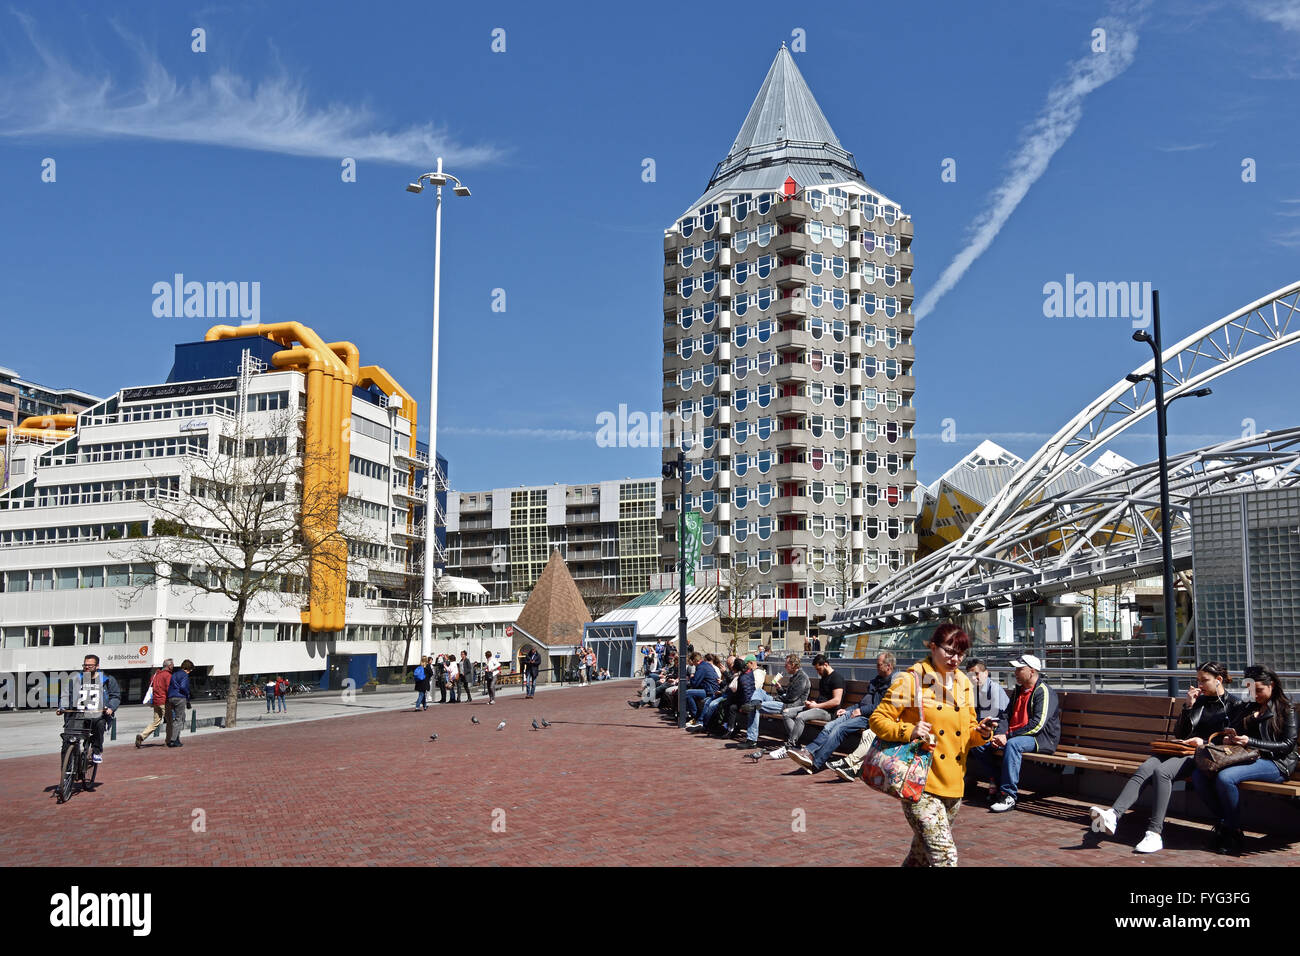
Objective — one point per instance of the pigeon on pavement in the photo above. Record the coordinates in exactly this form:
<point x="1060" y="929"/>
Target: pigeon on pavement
<point x="536" y="726"/>
<point x="473" y="720"/>
<point x="501" y="726"/>
<point x="545" y="722"/>
<point x="433" y="736"/>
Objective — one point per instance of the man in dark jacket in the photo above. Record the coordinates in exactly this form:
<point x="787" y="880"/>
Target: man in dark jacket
<point x="97" y="697"/>
<point x="178" y="701"/>
<point x="849" y="719"/>
<point x="703" y="685"/>
<point x="1032" y="724"/>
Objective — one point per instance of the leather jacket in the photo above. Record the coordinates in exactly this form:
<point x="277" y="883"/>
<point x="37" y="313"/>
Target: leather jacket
<point x="1207" y="715"/>
<point x="1279" y="748"/>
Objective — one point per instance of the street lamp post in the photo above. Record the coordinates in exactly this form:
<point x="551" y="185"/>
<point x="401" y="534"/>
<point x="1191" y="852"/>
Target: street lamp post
<point x="680" y="467"/>
<point x="1157" y="377"/>
<point x="438" y="179"/>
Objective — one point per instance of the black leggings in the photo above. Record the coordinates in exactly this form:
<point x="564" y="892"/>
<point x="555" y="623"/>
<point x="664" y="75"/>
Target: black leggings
<point x="1163" y="772"/>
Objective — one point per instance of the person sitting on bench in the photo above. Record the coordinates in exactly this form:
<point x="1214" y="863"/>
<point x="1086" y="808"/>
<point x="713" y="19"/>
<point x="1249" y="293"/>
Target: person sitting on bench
<point x="1205" y="712"/>
<point x="1032" y="724"/>
<point x="830" y="694"/>
<point x="788" y="701"/>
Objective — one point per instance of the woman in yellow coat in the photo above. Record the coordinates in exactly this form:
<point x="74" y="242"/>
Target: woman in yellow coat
<point x="947" y="721"/>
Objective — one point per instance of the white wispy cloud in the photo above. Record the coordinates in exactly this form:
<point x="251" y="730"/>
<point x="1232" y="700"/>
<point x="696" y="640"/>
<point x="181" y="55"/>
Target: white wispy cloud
<point x="1284" y="13"/>
<point x="1289" y="239"/>
<point x="1042" y="138"/>
<point x="53" y="97"/>
<point x="1184" y="149"/>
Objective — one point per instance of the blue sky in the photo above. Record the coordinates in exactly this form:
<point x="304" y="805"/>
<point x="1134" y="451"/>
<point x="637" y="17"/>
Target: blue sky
<point x="225" y="165"/>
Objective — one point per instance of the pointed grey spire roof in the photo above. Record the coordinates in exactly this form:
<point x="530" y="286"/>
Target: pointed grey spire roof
<point x="785" y="134"/>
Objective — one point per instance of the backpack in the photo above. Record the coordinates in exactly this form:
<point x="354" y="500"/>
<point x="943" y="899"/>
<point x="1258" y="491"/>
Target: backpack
<point x="419" y="672"/>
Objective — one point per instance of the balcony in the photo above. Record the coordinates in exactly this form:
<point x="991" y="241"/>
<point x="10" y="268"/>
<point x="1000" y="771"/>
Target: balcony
<point x="793" y="212"/>
<point x="793" y="340"/>
<point x="789" y="277"/>
<point x="793" y="504"/>
<point x="792" y="405"/>
<point x="905" y="229"/>
<point x="791" y="243"/>
<point x="792" y="307"/>
<point x="792" y="372"/>
<point x="793" y="438"/>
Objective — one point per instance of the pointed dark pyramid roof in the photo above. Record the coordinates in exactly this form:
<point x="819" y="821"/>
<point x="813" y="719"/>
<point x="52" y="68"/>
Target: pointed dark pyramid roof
<point x="555" y="612"/>
<point x="784" y="134"/>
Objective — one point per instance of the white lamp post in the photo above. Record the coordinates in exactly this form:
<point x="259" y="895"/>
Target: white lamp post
<point x="439" y="179"/>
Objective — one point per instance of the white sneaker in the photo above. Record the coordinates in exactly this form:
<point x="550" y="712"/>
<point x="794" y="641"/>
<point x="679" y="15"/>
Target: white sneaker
<point x="1151" y="843"/>
<point x="1003" y="805"/>
<point x="96" y="758"/>
<point x="1105" y="821"/>
<point x="692" y="724"/>
<point x="777" y="754"/>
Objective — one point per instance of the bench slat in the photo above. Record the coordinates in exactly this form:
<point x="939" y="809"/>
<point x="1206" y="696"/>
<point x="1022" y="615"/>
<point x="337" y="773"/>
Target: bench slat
<point x="1118" y="704"/>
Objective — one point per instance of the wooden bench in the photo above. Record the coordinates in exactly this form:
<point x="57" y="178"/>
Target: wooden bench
<point x="1113" y="733"/>
<point x="854" y="691"/>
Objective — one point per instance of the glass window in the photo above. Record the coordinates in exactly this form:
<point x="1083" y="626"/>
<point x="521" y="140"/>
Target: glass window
<point x="92" y="577"/>
<point x="65" y="579"/>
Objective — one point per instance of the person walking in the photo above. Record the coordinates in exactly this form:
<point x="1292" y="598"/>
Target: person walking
<point x="946" y="724"/>
<point x="466" y="669"/>
<point x="281" y="694"/>
<point x="491" y="668"/>
<point x="422" y="685"/>
<point x="178" y="701"/>
<point x="591" y="664"/>
<point x="440" y="677"/>
<point x="532" y="664"/>
<point x="158" y="688"/>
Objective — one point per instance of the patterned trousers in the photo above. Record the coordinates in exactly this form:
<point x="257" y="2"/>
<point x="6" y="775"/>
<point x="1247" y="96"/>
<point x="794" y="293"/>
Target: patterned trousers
<point x="931" y="821"/>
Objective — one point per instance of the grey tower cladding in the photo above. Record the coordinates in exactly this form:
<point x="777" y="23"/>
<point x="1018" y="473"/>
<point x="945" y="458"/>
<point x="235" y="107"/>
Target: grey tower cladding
<point x="788" y="360"/>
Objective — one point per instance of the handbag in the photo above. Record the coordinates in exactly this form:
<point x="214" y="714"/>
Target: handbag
<point x="1172" y="748"/>
<point x="899" y="770"/>
<point x="1212" y="757"/>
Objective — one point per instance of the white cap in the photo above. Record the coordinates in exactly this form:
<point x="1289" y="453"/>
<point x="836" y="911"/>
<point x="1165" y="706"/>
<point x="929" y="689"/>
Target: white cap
<point x="1028" y="660"/>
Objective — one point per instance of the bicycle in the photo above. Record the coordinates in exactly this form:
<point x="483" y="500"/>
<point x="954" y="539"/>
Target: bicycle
<point x="75" y="763"/>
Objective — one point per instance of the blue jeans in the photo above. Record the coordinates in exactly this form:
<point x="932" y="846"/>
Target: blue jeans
<point x="693" y="698"/>
<point x="270" y="701"/>
<point x="833" y="734"/>
<point x="1009" y="779"/>
<point x="766" y="704"/>
<point x="1219" y="792"/>
<point x="281" y="703"/>
<point x="711" y="708"/>
<point x="530" y="682"/>
<point x="420" y="701"/>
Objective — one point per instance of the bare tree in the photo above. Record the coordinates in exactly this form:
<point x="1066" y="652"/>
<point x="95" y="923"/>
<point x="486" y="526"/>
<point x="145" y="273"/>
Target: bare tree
<point x="599" y="597"/>
<point x="406" y="612"/>
<point x="740" y="619"/>
<point x="235" y="528"/>
<point x="842" y="574"/>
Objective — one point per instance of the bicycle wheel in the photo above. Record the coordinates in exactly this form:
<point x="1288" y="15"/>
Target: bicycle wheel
<point x="89" y="768"/>
<point x="67" y="771"/>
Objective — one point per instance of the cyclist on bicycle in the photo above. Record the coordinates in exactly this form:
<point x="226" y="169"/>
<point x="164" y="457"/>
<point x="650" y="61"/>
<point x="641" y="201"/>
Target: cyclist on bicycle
<point x="98" y="698"/>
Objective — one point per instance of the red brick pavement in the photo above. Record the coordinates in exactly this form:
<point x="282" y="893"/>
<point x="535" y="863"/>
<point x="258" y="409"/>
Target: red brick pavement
<point x="605" y="785"/>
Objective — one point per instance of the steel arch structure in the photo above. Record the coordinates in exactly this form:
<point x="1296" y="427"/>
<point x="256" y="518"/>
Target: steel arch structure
<point x="1021" y="520"/>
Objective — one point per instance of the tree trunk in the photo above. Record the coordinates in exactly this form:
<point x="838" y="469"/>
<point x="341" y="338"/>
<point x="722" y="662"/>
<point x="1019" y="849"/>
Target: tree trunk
<point x="236" y="645"/>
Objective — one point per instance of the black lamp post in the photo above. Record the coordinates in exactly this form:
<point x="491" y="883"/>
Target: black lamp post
<point x="679" y="466"/>
<point x="1157" y="377"/>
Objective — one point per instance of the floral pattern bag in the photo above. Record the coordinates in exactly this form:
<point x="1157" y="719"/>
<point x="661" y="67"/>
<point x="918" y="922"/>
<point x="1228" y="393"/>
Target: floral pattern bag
<point x="899" y="770"/>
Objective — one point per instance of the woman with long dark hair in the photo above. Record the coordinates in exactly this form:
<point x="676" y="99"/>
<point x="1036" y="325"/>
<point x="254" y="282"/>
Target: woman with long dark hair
<point x="1205" y="711"/>
<point x="1265" y="721"/>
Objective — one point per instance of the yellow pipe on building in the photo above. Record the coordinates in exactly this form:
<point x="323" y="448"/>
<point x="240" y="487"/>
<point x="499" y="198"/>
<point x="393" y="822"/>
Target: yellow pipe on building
<point x="330" y="377"/>
<point x="45" y="422"/>
<point x="37" y="434"/>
